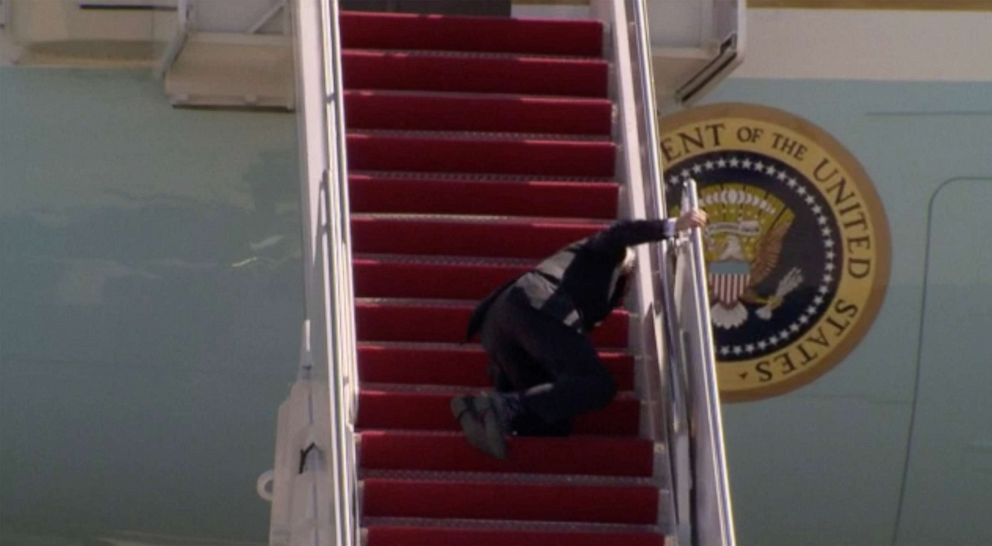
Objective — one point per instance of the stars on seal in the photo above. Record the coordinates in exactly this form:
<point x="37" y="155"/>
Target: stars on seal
<point x="788" y="180"/>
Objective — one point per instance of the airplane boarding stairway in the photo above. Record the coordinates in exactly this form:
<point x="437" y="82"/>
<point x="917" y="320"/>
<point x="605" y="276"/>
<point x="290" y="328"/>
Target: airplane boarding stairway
<point x="474" y="148"/>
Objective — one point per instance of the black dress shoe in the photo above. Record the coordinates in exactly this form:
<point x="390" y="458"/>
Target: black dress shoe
<point x="480" y="423"/>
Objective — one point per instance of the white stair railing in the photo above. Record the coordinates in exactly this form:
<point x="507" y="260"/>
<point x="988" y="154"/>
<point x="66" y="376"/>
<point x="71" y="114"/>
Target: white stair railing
<point x="712" y="522"/>
<point x="673" y="329"/>
<point x="314" y="486"/>
<point x="320" y="68"/>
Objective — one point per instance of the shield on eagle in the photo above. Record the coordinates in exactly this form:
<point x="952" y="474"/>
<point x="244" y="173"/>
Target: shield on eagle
<point x="743" y="245"/>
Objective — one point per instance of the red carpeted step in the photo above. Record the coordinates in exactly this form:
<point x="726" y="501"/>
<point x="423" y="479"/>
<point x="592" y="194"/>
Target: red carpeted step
<point x="586" y="455"/>
<point x="514" y="144"/>
<point x="474" y="154"/>
<point x="477" y="112"/>
<point x="453" y="364"/>
<point x="392" y="409"/>
<point x="426" y="320"/>
<point x="516" y="197"/>
<point x="451" y="236"/>
<point x="492" y="34"/>
<point x="409" y="535"/>
<point x="516" y="74"/>
<point x="635" y="504"/>
<point x="389" y="276"/>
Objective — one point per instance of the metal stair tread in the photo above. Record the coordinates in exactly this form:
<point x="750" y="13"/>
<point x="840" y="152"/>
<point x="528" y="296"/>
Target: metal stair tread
<point x="478" y="94"/>
<point x="407" y="388"/>
<point x="488" y="136"/>
<point x="421" y="345"/>
<point x="414" y="302"/>
<point x="433" y="259"/>
<point x="434" y="302"/>
<point x="495" y="95"/>
<point x="479" y="177"/>
<point x="456" y="434"/>
<point x="509" y="524"/>
<point x="444" y="346"/>
<point x="480" y="218"/>
<point x="457" y="54"/>
<point x="512" y="478"/>
<point x="657" y="446"/>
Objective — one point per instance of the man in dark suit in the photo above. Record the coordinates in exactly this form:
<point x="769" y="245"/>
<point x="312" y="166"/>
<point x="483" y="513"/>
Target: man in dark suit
<point x="534" y="329"/>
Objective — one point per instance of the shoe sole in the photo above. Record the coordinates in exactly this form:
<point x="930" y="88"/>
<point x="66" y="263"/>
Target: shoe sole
<point x="487" y="438"/>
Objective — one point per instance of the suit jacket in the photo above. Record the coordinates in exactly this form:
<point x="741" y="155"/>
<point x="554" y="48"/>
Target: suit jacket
<point x="581" y="283"/>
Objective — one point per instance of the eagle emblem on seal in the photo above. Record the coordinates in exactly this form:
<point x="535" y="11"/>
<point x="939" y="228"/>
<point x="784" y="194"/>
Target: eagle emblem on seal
<point x="743" y="247"/>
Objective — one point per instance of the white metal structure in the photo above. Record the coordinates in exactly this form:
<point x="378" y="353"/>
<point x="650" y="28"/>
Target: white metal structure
<point x="316" y="500"/>
<point x="694" y="45"/>
<point x="219" y="56"/>
<point x="78" y="33"/>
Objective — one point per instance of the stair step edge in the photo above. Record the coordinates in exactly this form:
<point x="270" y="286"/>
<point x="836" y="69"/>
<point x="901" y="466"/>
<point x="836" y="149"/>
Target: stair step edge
<point x="495" y="55"/>
<point x="452" y="434"/>
<point x="441" y="303"/>
<point x="482" y="219"/>
<point x="479" y="177"/>
<point x="459" y="347"/>
<point x="407" y="388"/>
<point x="510" y="478"/>
<point x="515" y="525"/>
<point x="478" y="95"/>
<point x="486" y="136"/>
<point x="434" y="259"/>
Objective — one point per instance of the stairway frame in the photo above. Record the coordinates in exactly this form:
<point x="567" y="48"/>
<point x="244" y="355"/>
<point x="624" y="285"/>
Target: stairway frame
<point x="317" y="451"/>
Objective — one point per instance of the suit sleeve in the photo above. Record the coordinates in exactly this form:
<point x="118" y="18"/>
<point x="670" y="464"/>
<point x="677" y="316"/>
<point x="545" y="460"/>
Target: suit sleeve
<point x="627" y="233"/>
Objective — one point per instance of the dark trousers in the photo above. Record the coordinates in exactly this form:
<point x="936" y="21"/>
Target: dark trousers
<point x="554" y="368"/>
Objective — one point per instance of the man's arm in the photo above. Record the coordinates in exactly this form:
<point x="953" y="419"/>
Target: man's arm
<point x="626" y="233"/>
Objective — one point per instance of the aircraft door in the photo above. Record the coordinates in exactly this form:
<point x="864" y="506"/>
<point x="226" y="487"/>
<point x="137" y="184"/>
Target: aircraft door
<point x="946" y="492"/>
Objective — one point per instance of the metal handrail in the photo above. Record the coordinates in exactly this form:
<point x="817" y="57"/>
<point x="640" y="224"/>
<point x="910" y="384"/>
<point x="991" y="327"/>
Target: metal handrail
<point x="342" y="260"/>
<point x="672" y="380"/>
<point x="338" y="285"/>
<point x="688" y="399"/>
<point x="345" y="373"/>
<point x="646" y="88"/>
<point x="707" y="367"/>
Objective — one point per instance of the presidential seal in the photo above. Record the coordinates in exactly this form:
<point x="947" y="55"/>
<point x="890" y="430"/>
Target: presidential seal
<point x="797" y="247"/>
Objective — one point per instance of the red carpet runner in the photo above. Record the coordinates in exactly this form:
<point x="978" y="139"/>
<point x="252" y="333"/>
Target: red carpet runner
<point x="477" y="146"/>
